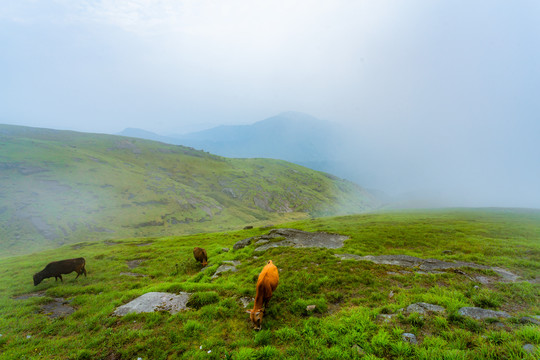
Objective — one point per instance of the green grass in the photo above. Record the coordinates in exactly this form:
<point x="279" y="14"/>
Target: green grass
<point x="350" y="296"/>
<point x="60" y="187"/>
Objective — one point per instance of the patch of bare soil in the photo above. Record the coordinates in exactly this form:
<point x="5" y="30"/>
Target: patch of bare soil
<point x="58" y="308"/>
<point x="132" y="264"/>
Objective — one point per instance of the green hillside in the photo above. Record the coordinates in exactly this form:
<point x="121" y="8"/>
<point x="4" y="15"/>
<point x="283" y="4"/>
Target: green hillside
<point x="358" y="304"/>
<point x="61" y="187"/>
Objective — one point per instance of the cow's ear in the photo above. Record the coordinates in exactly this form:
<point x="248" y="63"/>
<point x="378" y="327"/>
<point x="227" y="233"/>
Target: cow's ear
<point x="248" y="311"/>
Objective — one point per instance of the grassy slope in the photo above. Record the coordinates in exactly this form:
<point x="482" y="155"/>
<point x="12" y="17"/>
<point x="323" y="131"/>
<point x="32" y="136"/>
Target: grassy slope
<point x="349" y="295"/>
<point x="62" y="187"/>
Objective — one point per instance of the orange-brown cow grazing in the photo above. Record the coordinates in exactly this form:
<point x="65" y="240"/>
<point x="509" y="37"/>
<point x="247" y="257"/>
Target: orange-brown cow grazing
<point x="57" y="268"/>
<point x="200" y="255"/>
<point x="266" y="285"/>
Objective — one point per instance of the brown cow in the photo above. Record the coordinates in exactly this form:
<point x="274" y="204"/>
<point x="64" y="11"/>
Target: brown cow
<point x="57" y="268"/>
<point x="200" y="255"/>
<point x="266" y="285"/>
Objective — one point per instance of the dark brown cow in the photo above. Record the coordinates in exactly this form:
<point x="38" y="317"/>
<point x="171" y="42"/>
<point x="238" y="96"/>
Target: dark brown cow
<point x="200" y="255"/>
<point x="266" y="285"/>
<point x="57" y="268"/>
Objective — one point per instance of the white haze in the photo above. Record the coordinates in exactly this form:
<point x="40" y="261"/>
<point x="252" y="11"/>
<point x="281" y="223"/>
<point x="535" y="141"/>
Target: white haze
<point x="439" y="98"/>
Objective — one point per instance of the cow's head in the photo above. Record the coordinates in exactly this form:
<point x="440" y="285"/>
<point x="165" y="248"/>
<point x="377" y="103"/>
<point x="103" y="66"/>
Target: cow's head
<point x="204" y="263"/>
<point x="37" y="278"/>
<point x="256" y="318"/>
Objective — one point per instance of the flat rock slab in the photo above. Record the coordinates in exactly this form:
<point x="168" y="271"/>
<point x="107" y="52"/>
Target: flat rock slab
<point x="430" y="265"/>
<point x="480" y="314"/>
<point x="155" y="301"/>
<point x="301" y="239"/>
<point x="423" y="308"/>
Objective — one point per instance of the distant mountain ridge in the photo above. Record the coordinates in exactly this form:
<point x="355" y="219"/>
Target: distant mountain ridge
<point x="62" y="187"/>
<point x="290" y="136"/>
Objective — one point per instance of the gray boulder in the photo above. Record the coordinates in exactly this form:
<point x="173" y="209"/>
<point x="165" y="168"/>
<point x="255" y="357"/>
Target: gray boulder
<point x="155" y="301"/>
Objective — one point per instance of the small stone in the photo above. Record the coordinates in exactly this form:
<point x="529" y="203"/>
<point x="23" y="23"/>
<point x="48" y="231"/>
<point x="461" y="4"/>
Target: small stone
<point x="422" y="308"/>
<point x="245" y="301"/>
<point x="359" y="350"/>
<point x="529" y="348"/>
<point x="386" y="317"/>
<point x="225" y="249"/>
<point x="209" y="351"/>
<point x="28" y="336"/>
<point x="310" y="307"/>
<point x="410" y="338"/>
<point x="391" y="295"/>
<point x="248" y="227"/>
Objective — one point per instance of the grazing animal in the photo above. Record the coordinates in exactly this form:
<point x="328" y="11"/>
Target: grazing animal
<point x="200" y="255"/>
<point x="57" y="268"/>
<point x="266" y="285"/>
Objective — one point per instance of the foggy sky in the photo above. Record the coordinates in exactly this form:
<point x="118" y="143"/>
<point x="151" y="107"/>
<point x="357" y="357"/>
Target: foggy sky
<point x="439" y="97"/>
